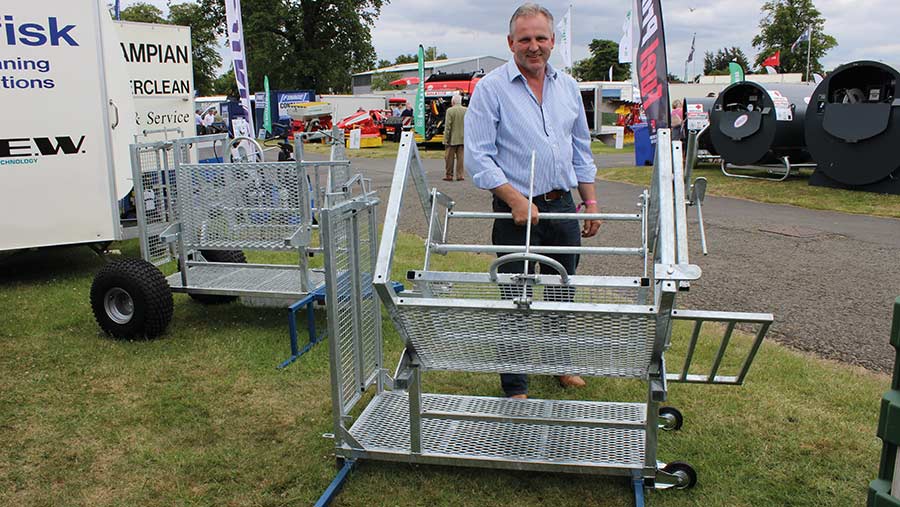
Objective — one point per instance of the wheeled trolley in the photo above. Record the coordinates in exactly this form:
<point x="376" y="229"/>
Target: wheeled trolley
<point x="551" y="323"/>
<point x="204" y="215"/>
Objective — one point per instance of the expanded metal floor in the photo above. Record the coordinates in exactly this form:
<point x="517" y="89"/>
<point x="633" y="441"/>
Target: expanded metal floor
<point x="246" y="281"/>
<point x="384" y="428"/>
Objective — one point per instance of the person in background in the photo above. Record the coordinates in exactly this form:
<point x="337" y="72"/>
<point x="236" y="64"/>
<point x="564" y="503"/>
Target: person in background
<point x="208" y="119"/>
<point x="528" y="105"/>
<point x="408" y="111"/>
<point x="454" y="136"/>
<point x="198" y="122"/>
<point x="677" y="120"/>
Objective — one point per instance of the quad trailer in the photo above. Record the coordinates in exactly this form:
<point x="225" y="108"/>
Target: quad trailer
<point x="551" y="323"/>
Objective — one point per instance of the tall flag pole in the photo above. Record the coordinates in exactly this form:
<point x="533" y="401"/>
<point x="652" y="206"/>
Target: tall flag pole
<point x="238" y="56"/>
<point x="420" y="96"/>
<point x="808" y="49"/>
<point x="652" y="70"/>
<point x="118" y="11"/>
<point x="564" y="39"/>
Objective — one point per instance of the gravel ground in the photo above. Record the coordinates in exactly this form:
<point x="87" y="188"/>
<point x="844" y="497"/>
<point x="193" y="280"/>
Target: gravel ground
<point x="829" y="278"/>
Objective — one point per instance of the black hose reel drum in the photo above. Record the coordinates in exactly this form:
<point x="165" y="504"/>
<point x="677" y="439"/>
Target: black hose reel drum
<point x="853" y="128"/>
<point x="760" y="123"/>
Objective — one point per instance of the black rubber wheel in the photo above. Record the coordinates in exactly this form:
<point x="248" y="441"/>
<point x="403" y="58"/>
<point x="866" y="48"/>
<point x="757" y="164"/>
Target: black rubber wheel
<point x="131" y="299"/>
<point x="232" y="256"/>
<point x="685" y="472"/>
<point x="670" y="419"/>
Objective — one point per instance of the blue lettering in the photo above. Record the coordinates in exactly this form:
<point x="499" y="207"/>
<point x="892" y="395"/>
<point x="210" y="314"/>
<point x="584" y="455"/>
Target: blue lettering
<point x="32" y="34"/>
<point x="56" y="34"/>
<point x="36" y="34"/>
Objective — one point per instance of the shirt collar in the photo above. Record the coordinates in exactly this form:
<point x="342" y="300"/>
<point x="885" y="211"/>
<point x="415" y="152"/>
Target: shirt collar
<point x="512" y="70"/>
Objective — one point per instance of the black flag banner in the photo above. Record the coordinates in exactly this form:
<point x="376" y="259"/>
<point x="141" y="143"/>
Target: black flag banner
<point x="651" y="66"/>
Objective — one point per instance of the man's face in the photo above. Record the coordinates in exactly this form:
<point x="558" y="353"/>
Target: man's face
<point x="531" y="43"/>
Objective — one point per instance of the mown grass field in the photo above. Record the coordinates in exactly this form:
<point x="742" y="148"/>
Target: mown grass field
<point x="794" y="191"/>
<point x="201" y="417"/>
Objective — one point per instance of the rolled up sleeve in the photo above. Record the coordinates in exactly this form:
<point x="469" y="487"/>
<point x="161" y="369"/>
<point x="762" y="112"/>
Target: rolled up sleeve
<point x="480" y="135"/>
<point x="582" y="158"/>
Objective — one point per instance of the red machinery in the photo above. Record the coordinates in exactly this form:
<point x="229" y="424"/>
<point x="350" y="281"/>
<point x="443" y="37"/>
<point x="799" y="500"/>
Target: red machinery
<point x="309" y="116"/>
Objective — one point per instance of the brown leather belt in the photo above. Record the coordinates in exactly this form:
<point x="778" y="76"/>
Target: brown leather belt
<point x="551" y="195"/>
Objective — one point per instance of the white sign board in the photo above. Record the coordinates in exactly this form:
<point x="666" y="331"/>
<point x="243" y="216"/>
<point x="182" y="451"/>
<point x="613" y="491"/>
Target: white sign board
<point x="782" y="106"/>
<point x="161" y="78"/>
<point x="355" y="139"/>
<point x="56" y="184"/>
<point x="697" y="119"/>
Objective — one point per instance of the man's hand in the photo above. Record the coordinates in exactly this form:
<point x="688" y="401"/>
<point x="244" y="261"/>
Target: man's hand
<point x="520" y="211"/>
<point x="590" y="227"/>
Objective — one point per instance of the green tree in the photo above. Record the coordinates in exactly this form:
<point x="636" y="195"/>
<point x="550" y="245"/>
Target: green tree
<point x="783" y="22"/>
<point x="143" y="13"/>
<point x="431" y="55"/>
<point x="382" y="81"/>
<point x="604" y="53"/>
<point x="716" y="64"/>
<point x="224" y="85"/>
<point x="308" y="44"/>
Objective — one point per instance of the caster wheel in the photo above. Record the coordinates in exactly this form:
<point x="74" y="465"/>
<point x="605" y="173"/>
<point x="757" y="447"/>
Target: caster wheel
<point x="687" y="476"/>
<point x="670" y="419"/>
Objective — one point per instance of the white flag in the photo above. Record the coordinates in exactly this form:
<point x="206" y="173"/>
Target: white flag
<point x="771" y="70"/>
<point x="610" y="72"/>
<point x="238" y="56"/>
<point x="564" y="38"/>
<point x="625" y="41"/>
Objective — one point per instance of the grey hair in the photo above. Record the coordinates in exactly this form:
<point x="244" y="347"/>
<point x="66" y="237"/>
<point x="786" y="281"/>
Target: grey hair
<point x="530" y="9"/>
<point x="456" y="100"/>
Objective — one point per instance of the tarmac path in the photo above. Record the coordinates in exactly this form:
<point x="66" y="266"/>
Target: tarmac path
<point x="829" y="278"/>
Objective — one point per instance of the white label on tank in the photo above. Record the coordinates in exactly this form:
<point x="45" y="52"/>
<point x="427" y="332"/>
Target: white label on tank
<point x="806" y="100"/>
<point x="741" y="121"/>
<point x="782" y="106"/>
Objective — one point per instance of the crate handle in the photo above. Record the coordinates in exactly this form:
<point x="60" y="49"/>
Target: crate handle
<point x="523" y="256"/>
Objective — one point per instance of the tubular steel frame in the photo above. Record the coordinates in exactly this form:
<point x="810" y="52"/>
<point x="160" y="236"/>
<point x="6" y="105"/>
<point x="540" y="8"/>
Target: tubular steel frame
<point x="597" y="324"/>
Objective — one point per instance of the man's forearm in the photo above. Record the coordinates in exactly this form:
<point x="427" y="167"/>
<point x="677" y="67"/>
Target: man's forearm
<point x="587" y="191"/>
<point x="508" y="194"/>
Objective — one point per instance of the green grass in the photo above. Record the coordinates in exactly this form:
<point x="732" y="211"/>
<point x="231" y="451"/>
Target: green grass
<point x="202" y="417"/>
<point x="432" y="150"/>
<point x="794" y="191"/>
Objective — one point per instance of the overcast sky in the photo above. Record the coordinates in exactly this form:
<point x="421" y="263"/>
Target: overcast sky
<point x="863" y="29"/>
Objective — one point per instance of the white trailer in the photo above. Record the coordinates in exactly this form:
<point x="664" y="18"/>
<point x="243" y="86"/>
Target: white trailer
<point x="345" y="105"/>
<point x="68" y="91"/>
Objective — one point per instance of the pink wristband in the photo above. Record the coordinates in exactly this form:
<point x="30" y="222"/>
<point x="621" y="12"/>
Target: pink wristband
<point x="584" y="204"/>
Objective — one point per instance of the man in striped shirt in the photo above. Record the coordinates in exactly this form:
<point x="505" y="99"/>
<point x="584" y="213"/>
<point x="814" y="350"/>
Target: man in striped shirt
<point x="523" y="106"/>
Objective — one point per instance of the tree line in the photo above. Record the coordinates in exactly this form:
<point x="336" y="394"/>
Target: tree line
<point x="782" y="23"/>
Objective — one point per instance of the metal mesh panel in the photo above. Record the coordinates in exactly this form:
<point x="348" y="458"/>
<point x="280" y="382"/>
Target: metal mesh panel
<point x="510" y="341"/>
<point x="342" y="306"/>
<point x="155" y="197"/>
<point x="370" y="328"/>
<point x="241" y="206"/>
<point x="385" y="427"/>
<point x="582" y="294"/>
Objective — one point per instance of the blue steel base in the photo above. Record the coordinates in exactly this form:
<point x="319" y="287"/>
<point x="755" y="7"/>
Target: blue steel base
<point x="335" y="487"/>
<point x="316" y="296"/>
<point x="308" y="302"/>
<point x="638" y="483"/>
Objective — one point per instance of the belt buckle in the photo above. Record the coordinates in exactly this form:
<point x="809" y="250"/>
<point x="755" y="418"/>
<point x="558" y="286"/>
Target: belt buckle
<point x="556" y="195"/>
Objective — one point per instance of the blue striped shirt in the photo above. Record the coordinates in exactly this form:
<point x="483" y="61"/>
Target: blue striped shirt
<point x="505" y="122"/>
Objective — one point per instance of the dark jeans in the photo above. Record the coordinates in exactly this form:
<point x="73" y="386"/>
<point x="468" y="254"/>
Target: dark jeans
<point x="545" y="233"/>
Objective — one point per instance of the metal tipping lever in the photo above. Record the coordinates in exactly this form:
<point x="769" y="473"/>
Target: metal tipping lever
<point x="698" y="193"/>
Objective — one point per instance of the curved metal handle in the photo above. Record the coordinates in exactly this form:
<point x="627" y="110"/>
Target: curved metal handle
<point x="116" y="109"/>
<point x="523" y="256"/>
<point x="235" y="143"/>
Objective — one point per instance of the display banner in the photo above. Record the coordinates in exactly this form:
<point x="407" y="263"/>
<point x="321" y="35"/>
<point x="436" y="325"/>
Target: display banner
<point x="736" y="72"/>
<point x="267" y="111"/>
<point x="626" y="41"/>
<point x="238" y="56"/>
<point x="651" y="65"/>
<point x="564" y="39"/>
<point x="420" y="95"/>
